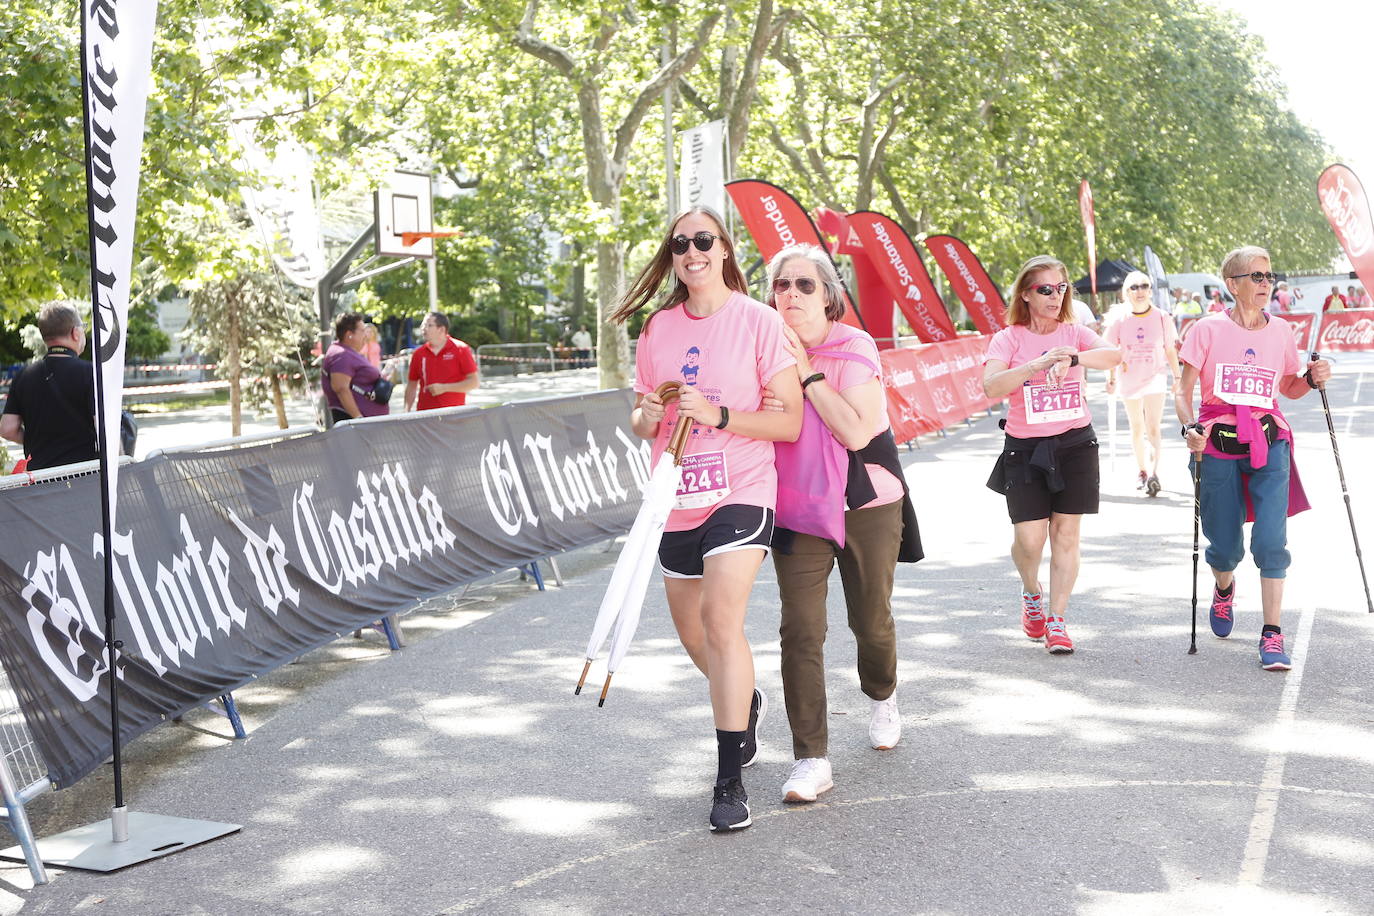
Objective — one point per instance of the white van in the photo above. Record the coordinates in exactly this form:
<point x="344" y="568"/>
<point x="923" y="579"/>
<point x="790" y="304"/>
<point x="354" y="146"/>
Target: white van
<point x="1203" y="284"/>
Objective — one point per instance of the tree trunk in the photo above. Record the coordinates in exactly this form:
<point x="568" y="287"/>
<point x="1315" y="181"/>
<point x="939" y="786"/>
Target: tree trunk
<point x="613" y="342"/>
<point x="278" y="401"/>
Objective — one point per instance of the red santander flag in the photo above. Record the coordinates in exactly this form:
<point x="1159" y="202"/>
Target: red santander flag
<point x="1085" y="210"/>
<point x="775" y="220"/>
<point x="1347" y="209"/>
<point x="980" y="296"/>
<point x="904" y="274"/>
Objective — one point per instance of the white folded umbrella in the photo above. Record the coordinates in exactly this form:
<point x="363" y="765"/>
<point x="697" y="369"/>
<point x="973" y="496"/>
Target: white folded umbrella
<point x="624" y="598"/>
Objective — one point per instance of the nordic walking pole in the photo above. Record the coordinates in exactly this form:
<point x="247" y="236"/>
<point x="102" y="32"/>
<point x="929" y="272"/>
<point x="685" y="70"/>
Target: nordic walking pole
<point x="1197" y="515"/>
<point x="1345" y="492"/>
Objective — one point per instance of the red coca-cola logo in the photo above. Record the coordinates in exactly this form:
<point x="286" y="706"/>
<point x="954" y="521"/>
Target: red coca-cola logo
<point x="1349" y="215"/>
<point x="1359" y="335"/>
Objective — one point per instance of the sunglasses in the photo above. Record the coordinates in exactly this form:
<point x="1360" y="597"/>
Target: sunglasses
<point x="1046" y="289"/>
<point x="805" y="285"/>
<point x="679" y="244"/>
<point x="1259" y="276"/>
<point x="1137" y="287"/>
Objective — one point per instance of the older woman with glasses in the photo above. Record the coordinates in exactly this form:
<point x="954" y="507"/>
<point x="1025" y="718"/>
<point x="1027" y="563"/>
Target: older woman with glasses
<point x="1048" y="466"/>
<point x="726" y="348"/>
<point x="841" y="494"/>
<point x="1149" y="350"/>
<point x="1241" y="444"/>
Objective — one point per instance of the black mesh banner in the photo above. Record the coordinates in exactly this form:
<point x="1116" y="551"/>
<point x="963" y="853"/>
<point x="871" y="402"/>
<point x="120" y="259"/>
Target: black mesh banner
<point x="228" y="563"/>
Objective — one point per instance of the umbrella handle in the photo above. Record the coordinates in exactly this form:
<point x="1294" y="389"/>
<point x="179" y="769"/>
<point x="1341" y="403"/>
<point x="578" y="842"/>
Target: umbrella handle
<point x="668" y="392"/>
<point x="583" y="679"/>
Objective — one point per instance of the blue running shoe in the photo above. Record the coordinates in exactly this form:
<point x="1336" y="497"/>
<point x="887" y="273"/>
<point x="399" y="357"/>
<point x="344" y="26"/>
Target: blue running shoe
<point x="1220" y="615"/>
<point x="1272" y="656"/>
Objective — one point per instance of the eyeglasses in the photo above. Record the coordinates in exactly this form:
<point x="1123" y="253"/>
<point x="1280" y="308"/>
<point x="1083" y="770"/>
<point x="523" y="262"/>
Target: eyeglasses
<point x="1258" y="276"/>
<point x="1137" y="287"/>
<point x="678" y="244"/>
<point x="805" y="285"/>
<point x="1046" y="289"/>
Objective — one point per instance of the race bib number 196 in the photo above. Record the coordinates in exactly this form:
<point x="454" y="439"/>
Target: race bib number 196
<point x="705" y="481"/>
<point x="1052" y="405"/>
<point x="1244" y="384"/>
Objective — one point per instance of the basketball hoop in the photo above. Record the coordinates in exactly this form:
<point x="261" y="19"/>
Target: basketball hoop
<point x="410" y="238"/>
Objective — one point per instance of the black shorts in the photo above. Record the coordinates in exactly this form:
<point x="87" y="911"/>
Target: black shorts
<point x="682" y="554"/>
<point x="1027" y="489"/>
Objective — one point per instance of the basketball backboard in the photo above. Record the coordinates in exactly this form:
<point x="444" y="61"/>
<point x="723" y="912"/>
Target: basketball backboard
<point x="404" y="203"/>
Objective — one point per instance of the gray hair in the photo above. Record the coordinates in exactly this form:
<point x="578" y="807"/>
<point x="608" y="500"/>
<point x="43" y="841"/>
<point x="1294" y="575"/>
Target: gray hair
<point x="58" y="319"/>
<point x="1238" y="260"/>
<point x="831" y="286"/>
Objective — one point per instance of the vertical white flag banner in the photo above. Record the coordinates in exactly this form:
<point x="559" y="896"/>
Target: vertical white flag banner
<point x="701" y="169"/>
<point x="1158" y="279"/>
<point x="116" y="68"/>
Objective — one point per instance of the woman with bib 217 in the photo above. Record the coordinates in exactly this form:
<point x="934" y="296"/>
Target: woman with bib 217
<point x="727" y="348"/>
<point x="1048" y="466"/>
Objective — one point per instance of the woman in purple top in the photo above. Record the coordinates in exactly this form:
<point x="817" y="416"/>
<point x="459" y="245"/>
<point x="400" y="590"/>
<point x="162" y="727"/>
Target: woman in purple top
<point x="347" y="375"/>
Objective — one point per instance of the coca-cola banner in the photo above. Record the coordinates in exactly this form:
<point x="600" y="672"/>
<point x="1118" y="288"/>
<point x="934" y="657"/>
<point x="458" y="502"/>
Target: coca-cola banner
<point x="1347" y="209"/>
<point x="775" y="220"/>
<point x="904" y="274"/>
<point x="934" y="386"/>
<point x="230" y="563"/>
<point x="979" y="295"/>
<point x="1349" y="329"/>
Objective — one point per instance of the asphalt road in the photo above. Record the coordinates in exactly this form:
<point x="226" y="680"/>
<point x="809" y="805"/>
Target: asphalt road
<point x="461" y="774"/>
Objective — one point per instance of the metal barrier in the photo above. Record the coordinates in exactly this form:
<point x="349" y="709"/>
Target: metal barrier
<point x="23" y="776"/>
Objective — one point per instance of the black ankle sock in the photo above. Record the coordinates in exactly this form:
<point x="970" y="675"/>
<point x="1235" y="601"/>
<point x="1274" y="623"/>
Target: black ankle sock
<point x="1226" y="592"/>
<point x="728" y="756"/>
<point x="1270" y="628"/>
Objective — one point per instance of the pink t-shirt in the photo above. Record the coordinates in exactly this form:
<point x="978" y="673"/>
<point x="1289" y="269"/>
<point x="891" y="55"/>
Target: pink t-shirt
<point x="729" y="357"/>
<point x="1237" y="366"/>
<point x="1143" y="339"/>
<point x="1038" y="410"/>
<point x="843" y="374"/>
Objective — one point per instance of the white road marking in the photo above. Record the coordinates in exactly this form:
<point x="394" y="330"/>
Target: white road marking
<point x="1271" y="782"/>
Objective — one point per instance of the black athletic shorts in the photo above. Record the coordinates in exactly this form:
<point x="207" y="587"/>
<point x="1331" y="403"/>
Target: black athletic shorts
<point x="682" y="554"/>
<point x="1027" y="488"/>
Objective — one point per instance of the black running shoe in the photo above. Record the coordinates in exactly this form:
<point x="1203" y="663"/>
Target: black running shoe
<point x="1152" y="486"/>
<point x="758" y="708"/>
<point x="730" y="810"/>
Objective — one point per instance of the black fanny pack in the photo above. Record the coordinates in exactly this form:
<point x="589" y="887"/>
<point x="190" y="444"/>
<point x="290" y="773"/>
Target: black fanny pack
<point x="1224" y="438"/>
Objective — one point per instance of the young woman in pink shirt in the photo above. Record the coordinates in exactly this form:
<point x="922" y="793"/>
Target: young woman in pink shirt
<point x="727" y="348"/>
<point x="1048" y="466"/>
<point x="1149" y="354"/>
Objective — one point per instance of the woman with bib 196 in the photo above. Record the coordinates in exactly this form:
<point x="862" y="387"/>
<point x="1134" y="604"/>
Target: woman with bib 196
<point x="1245" y="358"/>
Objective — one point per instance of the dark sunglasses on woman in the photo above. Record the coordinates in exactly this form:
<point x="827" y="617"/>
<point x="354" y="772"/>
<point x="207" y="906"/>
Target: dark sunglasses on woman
<point x="1257" y="277"/>
<point x="1046" y="289"/>
<point x="678" y="244"/>
<point x="805" y="285"/>
<point x="1137" y="287"/>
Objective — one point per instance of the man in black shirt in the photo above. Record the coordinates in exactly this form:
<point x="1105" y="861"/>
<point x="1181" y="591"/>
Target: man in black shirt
<point x="51" y="405"/>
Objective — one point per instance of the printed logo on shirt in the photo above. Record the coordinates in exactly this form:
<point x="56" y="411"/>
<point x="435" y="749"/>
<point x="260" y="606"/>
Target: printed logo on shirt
<point x="691" y="365"/>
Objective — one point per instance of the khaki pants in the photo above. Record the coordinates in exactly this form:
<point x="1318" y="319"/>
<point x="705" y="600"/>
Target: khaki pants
<point x="867" y="565"/>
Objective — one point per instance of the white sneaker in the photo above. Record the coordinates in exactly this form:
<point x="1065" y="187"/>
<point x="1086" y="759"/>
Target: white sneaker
<point x="885" y="727"/>
<point x="810" y="777"/>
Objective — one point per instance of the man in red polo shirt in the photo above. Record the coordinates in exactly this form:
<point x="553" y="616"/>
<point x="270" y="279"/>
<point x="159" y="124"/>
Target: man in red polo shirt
<point x="442" y="371"/>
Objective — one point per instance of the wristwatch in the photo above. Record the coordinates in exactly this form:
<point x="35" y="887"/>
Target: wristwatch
<point x="1073" y="360"/>
<point x="1192" y="426"/>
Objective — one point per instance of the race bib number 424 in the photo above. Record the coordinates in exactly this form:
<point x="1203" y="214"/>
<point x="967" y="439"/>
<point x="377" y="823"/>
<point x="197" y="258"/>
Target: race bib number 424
<point x="705" y="481"/>
<point x="1045" y="404"/>
<point x="1244" y="384"/>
